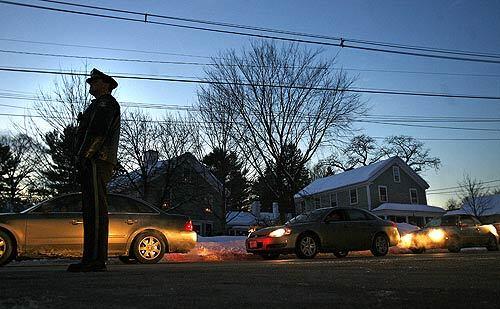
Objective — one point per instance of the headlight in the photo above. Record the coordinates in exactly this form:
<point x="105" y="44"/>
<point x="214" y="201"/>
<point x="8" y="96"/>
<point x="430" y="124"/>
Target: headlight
<point x="280" y="232"/>
<point x="436" y="235"/>
<point x="406" y="241"/>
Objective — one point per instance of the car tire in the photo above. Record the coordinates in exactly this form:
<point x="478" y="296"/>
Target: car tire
<point x="149" y="247"/>
<point x="454" y="245"/>
<point x="341" y="253"/>
<point x="380" y="245"/>
<point x="270" y="256"/>
<point x="307" y="246"/>
<point x="6" y="248"/>
<point x="417" y="250"/>
<point x="125" y="259"/>
<point x="492" y="243"/>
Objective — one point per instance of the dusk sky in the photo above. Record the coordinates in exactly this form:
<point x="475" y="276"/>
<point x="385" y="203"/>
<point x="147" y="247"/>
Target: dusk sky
<point x="458" y="25"/>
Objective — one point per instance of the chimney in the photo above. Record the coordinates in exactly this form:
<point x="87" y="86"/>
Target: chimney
<point x="150" y="159"/>
<point x="255" y="209"/>
<point x="276" y="210"/>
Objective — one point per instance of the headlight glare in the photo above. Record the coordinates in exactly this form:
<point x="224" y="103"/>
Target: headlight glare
<point x="280" y="232"/>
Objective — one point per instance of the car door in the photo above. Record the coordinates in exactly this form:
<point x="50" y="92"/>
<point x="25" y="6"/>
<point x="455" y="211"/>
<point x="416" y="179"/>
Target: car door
<point x="55" y="227"/>
<point x="334" y="231"/>
<point x="360" y="228"/>
<point x="468" y="231"/>
<point x="126" y="215"/>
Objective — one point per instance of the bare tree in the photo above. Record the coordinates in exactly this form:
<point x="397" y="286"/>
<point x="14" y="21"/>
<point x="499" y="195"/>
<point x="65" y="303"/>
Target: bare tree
<point x="138" y="139"/>
<point x="277" y="97"/>
<point x="18" y="168"/>
<point x="412" y="151"/>
<point x="361" y="150"/>
<point x="474" y="196"/>
<point x="452" y="204"/>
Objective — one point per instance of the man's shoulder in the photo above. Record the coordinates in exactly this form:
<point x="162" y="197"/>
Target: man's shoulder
<point x="107" y="101"/>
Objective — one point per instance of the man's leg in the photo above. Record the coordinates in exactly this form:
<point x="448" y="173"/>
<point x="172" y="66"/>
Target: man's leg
<point x="89" y="213"/>
<point x="104" y="172"/>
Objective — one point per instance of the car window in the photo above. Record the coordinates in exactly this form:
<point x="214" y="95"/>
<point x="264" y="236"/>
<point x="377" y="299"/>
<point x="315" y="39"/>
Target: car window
<point x="336" y="215"/>
<point x="448" y="220"/>
<point x="434" y="223"/>
<point x="309" y="216"/>
<point x="122" y="204"/>
<point x="469" y="221"/>
<point x="62" y="204"/>
<point x="357" y="215"/>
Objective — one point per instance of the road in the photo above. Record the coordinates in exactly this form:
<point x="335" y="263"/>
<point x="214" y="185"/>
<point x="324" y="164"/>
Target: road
<point x="428" y="280"/>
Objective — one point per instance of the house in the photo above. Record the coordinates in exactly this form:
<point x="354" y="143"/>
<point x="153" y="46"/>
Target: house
<point x="391" y="182"/>
<point x="240" y="222"/>
<point x="488" y="212"/>
<point x="414" y="214"/>
<point x="182" y="185"/>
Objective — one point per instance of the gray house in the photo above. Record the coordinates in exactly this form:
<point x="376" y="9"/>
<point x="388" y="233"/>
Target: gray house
<point x="182" y="185"/>
<point x="389" y="181"/>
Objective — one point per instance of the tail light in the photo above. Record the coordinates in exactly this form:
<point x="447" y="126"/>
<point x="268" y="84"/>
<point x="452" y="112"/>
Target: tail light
<point x="188" y="226"/>
<point x="393" y="224"/>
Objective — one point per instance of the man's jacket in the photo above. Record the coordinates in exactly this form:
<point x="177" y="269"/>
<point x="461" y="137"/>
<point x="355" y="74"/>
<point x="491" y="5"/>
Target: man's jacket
<point x="99" y="130"/>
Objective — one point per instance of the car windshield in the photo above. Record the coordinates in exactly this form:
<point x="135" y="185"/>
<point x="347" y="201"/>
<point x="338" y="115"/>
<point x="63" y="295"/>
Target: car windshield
<point x="309" y="216"/>
<point x="434" y="222"/>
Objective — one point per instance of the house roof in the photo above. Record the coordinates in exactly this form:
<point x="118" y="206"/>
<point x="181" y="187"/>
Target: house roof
<point x="409" y="207"/>
<point x="358" y="176"/>
<point x="240" y="218"/>
<point x="493" y="207"/>
<point x="161" y="166"/>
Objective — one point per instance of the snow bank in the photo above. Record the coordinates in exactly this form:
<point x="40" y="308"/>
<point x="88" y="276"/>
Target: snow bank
<point x="218" y="248"/>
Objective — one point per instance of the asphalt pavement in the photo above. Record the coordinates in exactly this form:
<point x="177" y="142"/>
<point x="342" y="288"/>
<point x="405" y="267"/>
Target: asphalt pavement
<point x="430" y="280"/>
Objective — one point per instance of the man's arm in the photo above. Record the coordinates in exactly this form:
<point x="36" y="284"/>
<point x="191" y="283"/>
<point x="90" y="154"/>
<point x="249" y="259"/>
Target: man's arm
<point x="100" y="122"/>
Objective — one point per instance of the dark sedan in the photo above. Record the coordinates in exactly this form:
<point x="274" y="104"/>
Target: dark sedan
<point x="337" y="230"/>
<point x="138" y="231"/>
<point x="452" y="232"/>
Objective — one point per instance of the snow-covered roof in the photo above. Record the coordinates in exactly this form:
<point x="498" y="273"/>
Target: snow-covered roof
<point x="492" y="208"/>
<point x="409" y="207"/>
<point x="240" y="218"/>
<point x="355" y="176"/>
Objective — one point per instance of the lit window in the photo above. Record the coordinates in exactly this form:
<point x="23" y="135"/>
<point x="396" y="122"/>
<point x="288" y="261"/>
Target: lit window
<point x="353" y="196"/>
<point x="413" y="196"/>
<point x="395" y="173"/>
<point x="382" y="193"/>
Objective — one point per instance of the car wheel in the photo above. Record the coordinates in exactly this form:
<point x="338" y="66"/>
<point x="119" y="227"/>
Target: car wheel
<point x="341" y="253"/>
<point x="380" y="245"/>
<point x="307" y="246"/>
<point x="149" y="248"/>
<point x="417" y="250"/>
<point x="492" y="244"/>
<point x="6" y="248"/>
<point x="125" y="259"/>
<point x="269" y="256"/>
<point x="454" y="245"/>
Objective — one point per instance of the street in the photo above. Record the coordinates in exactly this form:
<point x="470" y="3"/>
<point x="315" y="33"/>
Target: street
<point x="466" y="279"/>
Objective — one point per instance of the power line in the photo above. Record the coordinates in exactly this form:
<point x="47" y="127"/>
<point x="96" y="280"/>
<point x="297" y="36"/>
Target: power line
<point x="262" y="36"/>
<point x="428" y="126"/>
<point x="194" y="81"/>
<point x="459" y="191"/>
<point x="211" y="64"/>
<point x="287" y="32"/>
<point x="457" y="187"/>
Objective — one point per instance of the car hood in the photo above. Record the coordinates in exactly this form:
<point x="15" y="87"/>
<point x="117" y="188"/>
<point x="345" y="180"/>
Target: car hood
<point x="267" y="230"/>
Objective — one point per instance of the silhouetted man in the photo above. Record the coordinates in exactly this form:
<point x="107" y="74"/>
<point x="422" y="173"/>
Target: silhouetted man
<point x="97" y="140"/>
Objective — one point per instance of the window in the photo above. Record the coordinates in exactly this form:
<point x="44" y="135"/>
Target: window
<point x="353" y="194"/>
<point x="395" y="173"/>
<point x="317" y="202"/>
<point x="336" y="215"/>
<point x="122" y="204"/>
<point x="358" y="215"/>
<point x="333" y="200"/>
<point x="413" y="196"/>
<point x="66" y="203"/>
<point x="382" y="193"/>
<point x="325" y="201"/>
